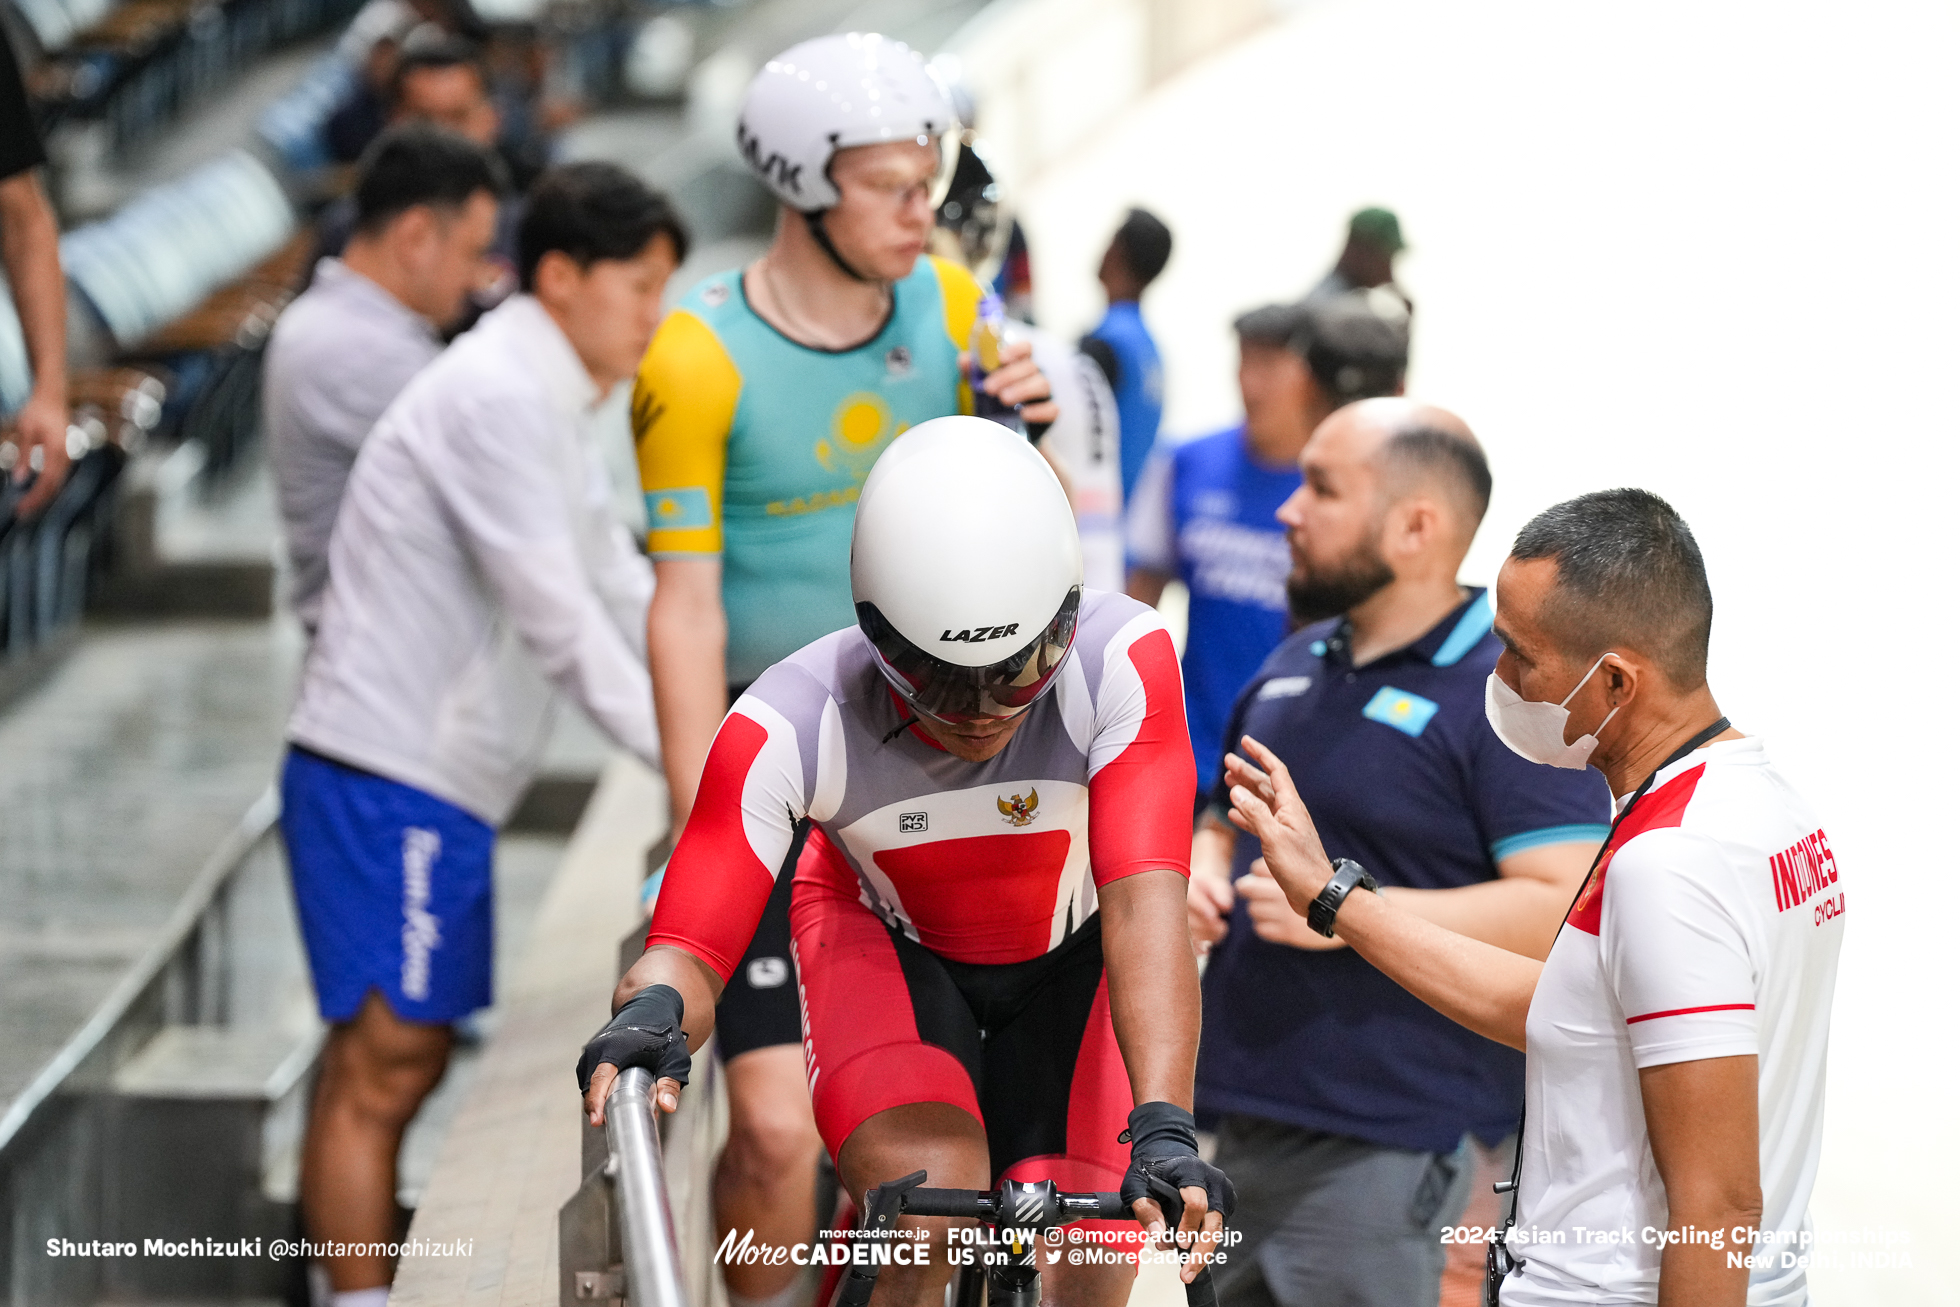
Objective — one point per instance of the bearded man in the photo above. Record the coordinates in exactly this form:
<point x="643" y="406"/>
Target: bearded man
<point x="1348" y="1112"/>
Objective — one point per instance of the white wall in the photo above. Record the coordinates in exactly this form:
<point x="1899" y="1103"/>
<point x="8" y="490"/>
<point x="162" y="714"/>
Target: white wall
<point x="1051" y="76"/>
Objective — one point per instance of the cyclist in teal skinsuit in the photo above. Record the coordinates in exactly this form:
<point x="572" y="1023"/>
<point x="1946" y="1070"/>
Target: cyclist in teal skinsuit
<point x="752" y="445"/>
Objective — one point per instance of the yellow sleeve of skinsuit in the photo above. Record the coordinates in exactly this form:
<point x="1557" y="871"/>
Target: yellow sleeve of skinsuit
<point x="684" y="399"/>
<point x="960" y="294"/>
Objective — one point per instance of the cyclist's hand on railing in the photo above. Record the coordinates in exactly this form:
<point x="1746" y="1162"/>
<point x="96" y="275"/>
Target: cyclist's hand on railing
<point x="645" y="1033"/>
<point x="1169" y="1188"/>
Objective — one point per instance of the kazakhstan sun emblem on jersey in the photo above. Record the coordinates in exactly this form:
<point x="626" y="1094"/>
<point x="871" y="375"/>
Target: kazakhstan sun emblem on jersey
<point x="1017" y="810"/>
<point x="859" y="431"/>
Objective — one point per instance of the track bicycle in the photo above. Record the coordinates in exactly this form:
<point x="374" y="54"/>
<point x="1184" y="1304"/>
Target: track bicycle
<point x="1017" y="1214"/>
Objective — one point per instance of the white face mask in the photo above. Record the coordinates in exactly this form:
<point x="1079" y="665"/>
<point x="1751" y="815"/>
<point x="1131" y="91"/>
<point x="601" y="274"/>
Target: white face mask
<point x="1536" y="730"/>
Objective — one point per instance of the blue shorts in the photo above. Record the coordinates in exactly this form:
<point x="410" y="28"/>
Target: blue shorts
<point x="394" y="891"/>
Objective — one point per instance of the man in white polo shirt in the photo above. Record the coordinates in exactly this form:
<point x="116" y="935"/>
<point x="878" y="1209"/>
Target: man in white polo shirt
<point x="1675" y="1037"/>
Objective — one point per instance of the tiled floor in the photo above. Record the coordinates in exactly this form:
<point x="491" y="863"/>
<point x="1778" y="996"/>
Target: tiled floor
<point x="525" y="866"/>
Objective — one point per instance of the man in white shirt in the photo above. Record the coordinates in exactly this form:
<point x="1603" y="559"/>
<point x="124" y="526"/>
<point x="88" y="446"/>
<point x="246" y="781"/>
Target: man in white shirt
<point x="425" y="209"/>
<point x="1082" y="445"/>
<point x="475" y="566"/>
<point x="1675" y="1036"/>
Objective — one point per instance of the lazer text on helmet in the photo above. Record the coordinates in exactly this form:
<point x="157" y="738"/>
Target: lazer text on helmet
<point x="976" y="634"/>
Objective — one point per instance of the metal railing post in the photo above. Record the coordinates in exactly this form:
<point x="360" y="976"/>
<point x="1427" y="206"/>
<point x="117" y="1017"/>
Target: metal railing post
<point x="647" y="1237"/>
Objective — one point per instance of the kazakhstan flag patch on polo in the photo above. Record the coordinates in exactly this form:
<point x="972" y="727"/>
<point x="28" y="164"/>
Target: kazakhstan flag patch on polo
<point x="1407" y="713"/>
<point x="679" y="510"/>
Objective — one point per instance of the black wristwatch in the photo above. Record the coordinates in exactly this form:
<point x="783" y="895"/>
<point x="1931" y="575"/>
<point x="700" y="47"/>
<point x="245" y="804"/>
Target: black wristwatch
<point x="1347" y="874"/>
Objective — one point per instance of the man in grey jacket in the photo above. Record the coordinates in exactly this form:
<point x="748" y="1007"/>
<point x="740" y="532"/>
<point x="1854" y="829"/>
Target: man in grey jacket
<point x="426" y="206"/>
<point x="476" y="571"/>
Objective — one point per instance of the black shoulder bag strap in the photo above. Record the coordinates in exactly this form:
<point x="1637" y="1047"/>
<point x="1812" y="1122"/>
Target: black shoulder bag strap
<point x="1499" y="1261"/>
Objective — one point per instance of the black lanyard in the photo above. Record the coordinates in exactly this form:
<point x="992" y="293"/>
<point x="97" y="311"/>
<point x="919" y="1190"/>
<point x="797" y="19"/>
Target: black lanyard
<point x="1498" y="1261"/>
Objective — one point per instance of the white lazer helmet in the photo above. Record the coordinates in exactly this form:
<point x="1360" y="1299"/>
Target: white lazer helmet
<point x="969" y="608"/>
<point x="829" y="94"/>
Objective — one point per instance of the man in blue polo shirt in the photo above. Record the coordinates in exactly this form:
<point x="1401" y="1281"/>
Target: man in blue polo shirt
<point x="1205" y="510"/>
<point x="1344" y="1106"/>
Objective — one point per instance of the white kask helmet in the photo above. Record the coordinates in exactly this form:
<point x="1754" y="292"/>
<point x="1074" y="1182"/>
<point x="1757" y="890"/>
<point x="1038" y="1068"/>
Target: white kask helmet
<point x="969" y="607"/>
<point x="829" y="94"/>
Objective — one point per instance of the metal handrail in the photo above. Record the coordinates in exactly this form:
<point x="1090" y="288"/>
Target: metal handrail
<point x="646" y="1218"/>
<point x="253" y="829"/>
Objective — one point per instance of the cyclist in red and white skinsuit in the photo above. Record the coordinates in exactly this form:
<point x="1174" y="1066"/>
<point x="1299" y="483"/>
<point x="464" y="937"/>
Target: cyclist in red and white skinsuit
<point x="995" y="779"/>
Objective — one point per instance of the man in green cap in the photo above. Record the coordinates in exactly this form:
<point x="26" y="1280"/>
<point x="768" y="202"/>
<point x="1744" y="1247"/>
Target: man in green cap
<point x="1368" y="259"/>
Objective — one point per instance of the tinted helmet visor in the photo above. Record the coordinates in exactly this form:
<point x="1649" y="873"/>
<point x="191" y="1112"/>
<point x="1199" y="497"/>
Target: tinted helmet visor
<point x="949" y="693"/>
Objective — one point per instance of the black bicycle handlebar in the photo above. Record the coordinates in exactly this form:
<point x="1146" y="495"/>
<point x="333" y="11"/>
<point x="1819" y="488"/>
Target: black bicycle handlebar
<point x="1033" y="1207"/>
<point x="1201" y="1292"/>
<point x="971" y="1204"/>
<point x="1103" y="1206"/>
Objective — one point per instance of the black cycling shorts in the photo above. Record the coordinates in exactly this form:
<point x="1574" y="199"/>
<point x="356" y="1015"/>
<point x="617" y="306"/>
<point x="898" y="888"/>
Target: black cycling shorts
<point x="1026" y="1048"/>
<point x="758" y="1004"/>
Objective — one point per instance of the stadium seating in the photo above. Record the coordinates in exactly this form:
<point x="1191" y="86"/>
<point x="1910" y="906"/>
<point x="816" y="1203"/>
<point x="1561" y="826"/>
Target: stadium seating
<point x="164" y="252"/>
<point x="138" y="65"/>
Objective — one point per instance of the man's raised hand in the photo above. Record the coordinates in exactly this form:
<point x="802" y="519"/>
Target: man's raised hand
<point x="1266" y="806"/>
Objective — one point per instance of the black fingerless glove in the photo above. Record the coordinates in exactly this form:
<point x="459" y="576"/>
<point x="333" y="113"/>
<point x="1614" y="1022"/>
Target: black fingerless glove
<point x="1164" y="1159"/>
<point x="645" y="1033"/>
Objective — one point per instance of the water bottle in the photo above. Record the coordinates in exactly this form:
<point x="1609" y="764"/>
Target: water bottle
<point x="983" y="353"/>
